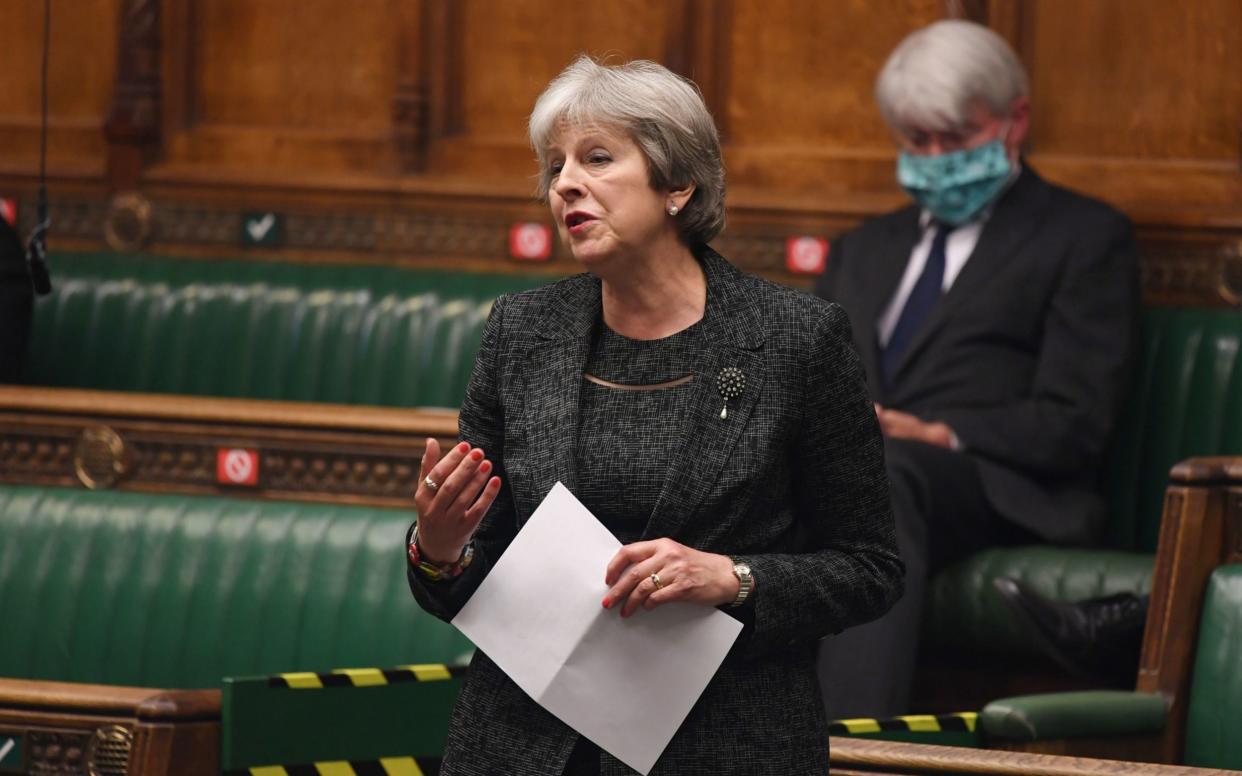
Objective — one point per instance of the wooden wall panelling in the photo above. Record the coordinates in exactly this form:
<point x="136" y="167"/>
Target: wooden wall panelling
<point x="81" y="64"/>
<point x="698" y="48"/>
<point x="285" y="89"/>
<point x="509" y="52"/>
<point x="393" y="131"/>
<point x="1140" y="103"/>
<point x="804" y="130"/>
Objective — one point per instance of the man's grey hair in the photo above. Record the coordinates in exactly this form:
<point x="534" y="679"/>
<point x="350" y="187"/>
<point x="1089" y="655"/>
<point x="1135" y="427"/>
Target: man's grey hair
<point x="936" y="76"/>
<point x="661" y="112"/>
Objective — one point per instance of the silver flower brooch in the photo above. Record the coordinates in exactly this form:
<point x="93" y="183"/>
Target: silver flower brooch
<point x="729" y="383"/>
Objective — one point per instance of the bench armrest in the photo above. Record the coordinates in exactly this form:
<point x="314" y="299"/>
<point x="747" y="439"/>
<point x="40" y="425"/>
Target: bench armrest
<point x="1090" y="714"/>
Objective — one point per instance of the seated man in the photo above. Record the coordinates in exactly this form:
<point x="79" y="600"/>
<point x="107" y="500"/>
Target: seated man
<point x="997" y="317"/>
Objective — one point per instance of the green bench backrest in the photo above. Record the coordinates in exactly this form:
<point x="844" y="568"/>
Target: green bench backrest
<point x="1186" y="401"/>
<point x="297" y="332"/>
<point x="180" y="591"/>
<point x="1215" y="712"/>
<point x="394" y="337"/>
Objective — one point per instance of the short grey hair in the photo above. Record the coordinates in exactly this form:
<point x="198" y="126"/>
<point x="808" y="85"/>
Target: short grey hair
<point x="661" y="112"/>
<point x="935" y="77"/>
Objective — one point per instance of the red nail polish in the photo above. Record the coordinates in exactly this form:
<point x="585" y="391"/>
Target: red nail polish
<point x="607" y="603"/>
<point x="476" y="455"/>
<point x="485" y="467"/>
<point x="463" y="447"/>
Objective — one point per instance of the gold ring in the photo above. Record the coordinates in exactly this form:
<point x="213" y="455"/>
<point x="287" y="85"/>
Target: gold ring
<point x="655" y="580"/>
<point x="431" y="484"/>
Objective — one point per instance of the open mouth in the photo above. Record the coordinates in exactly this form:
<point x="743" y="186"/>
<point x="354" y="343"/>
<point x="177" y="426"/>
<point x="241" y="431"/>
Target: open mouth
<point x="577" y="219"/>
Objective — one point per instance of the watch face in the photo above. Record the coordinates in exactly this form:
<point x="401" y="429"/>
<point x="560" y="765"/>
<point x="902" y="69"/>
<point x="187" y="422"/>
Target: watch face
<point x="742" y="570"/>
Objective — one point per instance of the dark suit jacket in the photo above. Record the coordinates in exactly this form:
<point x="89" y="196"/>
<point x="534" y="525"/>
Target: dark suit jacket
<point x="793" y="481"/>
<point x="1027" y="356"/>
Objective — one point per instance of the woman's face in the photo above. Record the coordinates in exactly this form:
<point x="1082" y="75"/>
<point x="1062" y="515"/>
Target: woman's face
<point x="601" y="196"/>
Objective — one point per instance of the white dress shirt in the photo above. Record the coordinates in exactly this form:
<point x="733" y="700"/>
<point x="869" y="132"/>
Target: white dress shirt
<point x="958" y="246"/>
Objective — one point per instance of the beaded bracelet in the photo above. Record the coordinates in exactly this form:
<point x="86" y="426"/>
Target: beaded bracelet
<point x="437" y="572"/>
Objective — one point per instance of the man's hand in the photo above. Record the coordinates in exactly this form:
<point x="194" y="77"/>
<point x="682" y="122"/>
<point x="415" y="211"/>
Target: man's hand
<point x="902" y="425"/>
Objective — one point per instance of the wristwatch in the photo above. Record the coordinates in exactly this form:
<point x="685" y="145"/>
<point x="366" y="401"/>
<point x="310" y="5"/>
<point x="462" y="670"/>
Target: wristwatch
<point x="741" y="570"/>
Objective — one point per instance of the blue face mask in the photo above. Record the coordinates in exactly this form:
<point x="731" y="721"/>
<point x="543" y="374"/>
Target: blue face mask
<point x="954" y="187"/>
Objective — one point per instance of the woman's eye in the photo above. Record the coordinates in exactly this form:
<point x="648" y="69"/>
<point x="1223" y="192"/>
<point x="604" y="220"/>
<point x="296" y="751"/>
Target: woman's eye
<point x="555" y="168"/>
<point x="598" y="158"/>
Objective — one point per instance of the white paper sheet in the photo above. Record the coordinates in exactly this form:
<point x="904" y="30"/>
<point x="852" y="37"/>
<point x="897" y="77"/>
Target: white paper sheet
<point x="625" y="684"/>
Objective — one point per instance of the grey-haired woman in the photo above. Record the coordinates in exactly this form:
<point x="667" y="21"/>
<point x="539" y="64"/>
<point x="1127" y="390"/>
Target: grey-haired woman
<point x="716" y="423"/>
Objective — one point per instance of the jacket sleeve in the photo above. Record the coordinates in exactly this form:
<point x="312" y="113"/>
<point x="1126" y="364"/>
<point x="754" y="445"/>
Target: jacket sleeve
<point x="480" y="422"/>
<point x="851" y="572"/>
<point x="1087" y="346"/>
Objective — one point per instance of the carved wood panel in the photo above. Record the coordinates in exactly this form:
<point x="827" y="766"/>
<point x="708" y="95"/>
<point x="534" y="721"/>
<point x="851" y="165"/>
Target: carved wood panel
<point x="172" y="444"/>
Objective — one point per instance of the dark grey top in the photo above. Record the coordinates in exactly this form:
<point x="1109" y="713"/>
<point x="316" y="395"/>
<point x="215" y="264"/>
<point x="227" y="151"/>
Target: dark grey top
<point x="627" y="438"/>
<point x="792" y="482"/>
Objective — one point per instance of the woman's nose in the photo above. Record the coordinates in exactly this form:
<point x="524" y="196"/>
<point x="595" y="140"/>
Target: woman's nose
<point x="567" y="185"/>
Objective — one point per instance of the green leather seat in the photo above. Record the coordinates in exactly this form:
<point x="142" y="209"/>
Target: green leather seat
<point x="1215" y="712"/>
<point x="1186" y="401"/>
<point x="261" y="330"/>
<point x="180" y="591"/>
<point x="1215" y="702"/>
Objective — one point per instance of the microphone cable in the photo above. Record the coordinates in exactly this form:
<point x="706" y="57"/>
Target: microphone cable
<point x="36" y="246"/>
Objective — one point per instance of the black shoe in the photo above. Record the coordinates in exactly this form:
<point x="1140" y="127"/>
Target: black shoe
<point x="1098" y="639"/>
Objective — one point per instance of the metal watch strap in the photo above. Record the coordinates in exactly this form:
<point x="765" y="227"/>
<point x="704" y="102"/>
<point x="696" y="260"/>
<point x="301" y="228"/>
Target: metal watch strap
<point x="746" y="582"/>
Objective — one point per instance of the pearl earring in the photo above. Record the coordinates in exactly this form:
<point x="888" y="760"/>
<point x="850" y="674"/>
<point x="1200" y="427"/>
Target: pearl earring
<point x="673" y="210"/>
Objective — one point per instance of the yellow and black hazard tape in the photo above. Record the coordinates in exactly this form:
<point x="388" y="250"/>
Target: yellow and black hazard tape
<point x="366" y="677"/>
<point x="963" y="722"/>
<point x="385" y="766"/>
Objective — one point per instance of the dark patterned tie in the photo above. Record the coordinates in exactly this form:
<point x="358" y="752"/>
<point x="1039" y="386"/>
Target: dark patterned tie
<point x="919" y="304"/>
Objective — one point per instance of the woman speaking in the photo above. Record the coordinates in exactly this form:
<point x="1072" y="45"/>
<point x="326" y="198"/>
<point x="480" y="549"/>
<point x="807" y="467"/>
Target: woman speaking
<point x="715" y="422"/>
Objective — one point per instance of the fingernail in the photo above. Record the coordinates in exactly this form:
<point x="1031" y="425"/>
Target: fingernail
<point x="476" y="455"/>
<point x="485" y="467"/>
<point x="607" y="602"/>
<point x="463" y="447"/>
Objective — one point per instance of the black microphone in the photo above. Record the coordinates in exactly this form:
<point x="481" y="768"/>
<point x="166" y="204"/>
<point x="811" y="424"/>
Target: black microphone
<point x="36" y="252"/>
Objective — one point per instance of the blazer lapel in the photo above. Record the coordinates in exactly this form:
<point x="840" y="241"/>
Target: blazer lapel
<point x="733" y="333"/>
<point x="553" y="380"/>
<point x="1013" y="220"/>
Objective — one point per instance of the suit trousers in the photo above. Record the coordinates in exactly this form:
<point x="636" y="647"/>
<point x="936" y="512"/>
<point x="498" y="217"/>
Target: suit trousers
<point x="942" y="516"/>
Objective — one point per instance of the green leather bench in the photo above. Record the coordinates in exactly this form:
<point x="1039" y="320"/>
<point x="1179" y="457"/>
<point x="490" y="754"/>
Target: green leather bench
<point x="387" y="336"/>
<point x="1186" y="401"/>
<point x="111" y="591"/>
<point x="353" y="334"/>
<point x="1214" y="702"/>
<point x="179" y="591"/>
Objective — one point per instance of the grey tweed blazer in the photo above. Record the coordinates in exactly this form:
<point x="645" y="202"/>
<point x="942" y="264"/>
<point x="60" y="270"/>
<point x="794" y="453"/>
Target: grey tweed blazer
<point x="793" y="482"/>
